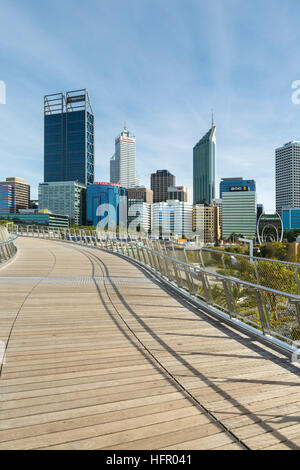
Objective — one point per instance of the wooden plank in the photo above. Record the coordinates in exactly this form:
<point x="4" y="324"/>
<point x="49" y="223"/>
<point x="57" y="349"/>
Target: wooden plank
<point x="76" y="377"/>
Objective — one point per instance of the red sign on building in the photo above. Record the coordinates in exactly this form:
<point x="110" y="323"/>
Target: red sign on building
<point x="107" y="184"/>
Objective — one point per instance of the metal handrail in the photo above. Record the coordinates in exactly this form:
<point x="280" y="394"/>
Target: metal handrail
<point x="270" y="313"/>
<point x="258" y="258"/>
<point x="10" y="240"/>
<point x="7" y="247"/>
<point x="229" y="278"/>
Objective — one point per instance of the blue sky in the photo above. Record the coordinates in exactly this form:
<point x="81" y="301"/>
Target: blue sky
<point x="161" y="65"/>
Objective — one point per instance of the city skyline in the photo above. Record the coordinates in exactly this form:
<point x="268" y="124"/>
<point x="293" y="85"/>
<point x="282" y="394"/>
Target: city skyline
<point x="246" y="78"/>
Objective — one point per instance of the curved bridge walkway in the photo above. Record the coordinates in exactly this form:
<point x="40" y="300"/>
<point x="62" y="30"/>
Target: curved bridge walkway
<point x="101" y="356"/>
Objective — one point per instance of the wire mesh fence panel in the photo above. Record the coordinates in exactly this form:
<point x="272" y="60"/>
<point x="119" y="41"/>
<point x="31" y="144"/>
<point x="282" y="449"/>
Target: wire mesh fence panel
<point x="212" y="260"/>
<point x="182" y="277"/>
<point x="275" y="274"/>
<point x="200" y="288"/>
<point x="237" y="266"/>
<point x="193" y="257"/>
<point x="179" y="254"/>
<point x="283" y="316"/>
<point x="246" y="302"/>
<point x="278" y="276"/>
<point x="217" y="293"/>
<point x="170" y="270"/>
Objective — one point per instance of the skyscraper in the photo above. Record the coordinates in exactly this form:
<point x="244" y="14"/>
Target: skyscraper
<point x="204" y="157"/>
<point x="69" y="137"/>
<point x="160" y="182"/>
<point x="123" y="162"/>
<point x="287" y="163"/>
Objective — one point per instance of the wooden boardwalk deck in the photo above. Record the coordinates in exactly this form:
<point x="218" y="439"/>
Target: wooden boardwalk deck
<point x="101" y="356"/>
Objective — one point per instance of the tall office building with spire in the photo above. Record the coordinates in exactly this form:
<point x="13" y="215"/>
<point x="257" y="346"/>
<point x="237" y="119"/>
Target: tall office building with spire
<point x="123" y="162"/>
<point x="204" y="161"/>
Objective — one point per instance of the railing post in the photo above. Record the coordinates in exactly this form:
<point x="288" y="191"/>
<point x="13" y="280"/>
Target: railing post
<point x="201" y="258"/>
<point x="229" y="297"/>
<point x="224" y="265"/>
<point x="167" y="262"/>
<point x="161" y="261"/>
<point x="188" y="276"/>
<point x="139" y="253"/>
<point x="178" y="272"/>
<point x="256" y="270"/>
<point x="205" y="286"/>
<point x="144" y="255"/>
<point x="297" y="308"/>
<point x="264" y="319"/>
<point x="153" y="261"/>
<point x="297" y="278"/>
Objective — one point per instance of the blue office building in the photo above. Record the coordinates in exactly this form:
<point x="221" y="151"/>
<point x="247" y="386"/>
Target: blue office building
<point x="236" y="184"/>
<point x="106" y="203"/>
<point x="290" y="218"/>
<point x="68" y="137"/>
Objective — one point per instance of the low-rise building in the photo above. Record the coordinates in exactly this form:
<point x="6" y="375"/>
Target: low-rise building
<point x="43" y="218"/>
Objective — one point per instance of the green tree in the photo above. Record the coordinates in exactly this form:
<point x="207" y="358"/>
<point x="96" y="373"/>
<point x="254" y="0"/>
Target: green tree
<point x="291" y="235"/>
<point x="280" y="250"/>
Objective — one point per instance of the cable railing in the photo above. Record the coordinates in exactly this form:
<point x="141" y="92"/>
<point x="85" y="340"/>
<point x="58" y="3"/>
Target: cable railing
<point x="7" y="247"/>
<point x="271" y="313"/>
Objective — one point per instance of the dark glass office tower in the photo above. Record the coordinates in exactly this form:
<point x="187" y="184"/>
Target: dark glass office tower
<point x="160" y="182"/>
<point x="204" y="156"/>
<point x="69" y="137"/>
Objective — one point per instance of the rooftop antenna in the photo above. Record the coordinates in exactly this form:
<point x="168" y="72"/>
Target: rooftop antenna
<point x="125" y="128"/>
<point x="212" y="118"/>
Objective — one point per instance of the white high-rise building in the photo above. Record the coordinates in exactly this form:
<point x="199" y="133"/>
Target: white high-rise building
<point x="172" y="218"/>
<point x="123" y="162"/>
<point x="139" y="215"/>
<point x="287" y="176"/>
